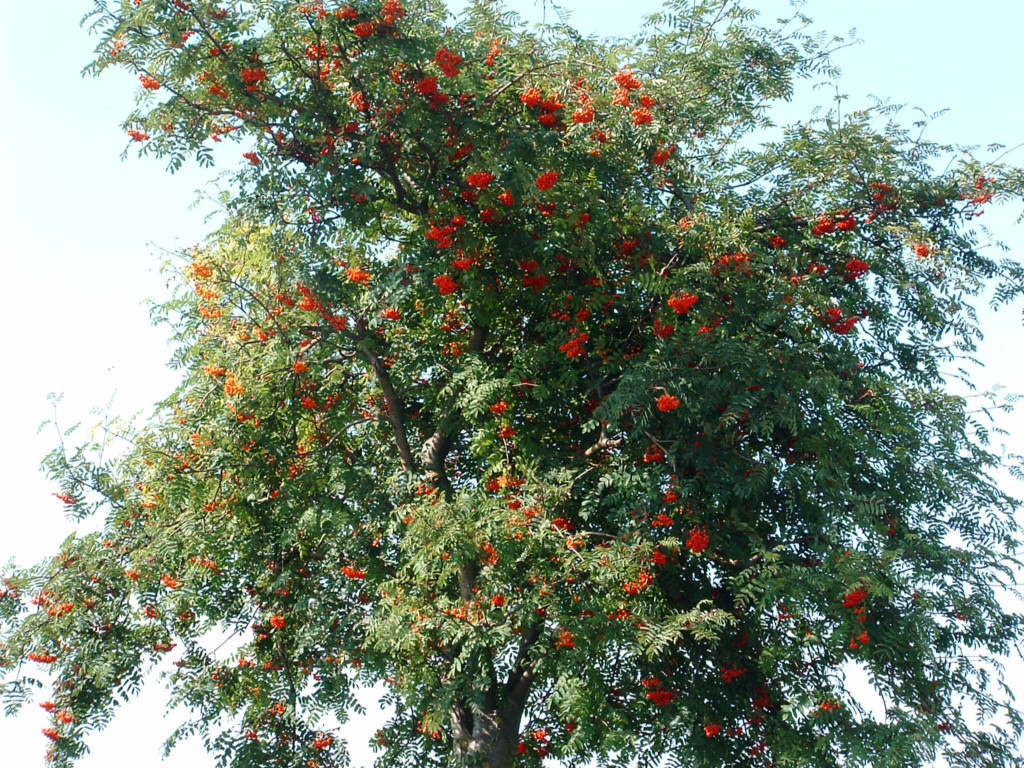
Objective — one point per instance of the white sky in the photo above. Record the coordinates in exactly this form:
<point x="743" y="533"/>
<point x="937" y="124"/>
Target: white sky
<point x="77" y="227"/>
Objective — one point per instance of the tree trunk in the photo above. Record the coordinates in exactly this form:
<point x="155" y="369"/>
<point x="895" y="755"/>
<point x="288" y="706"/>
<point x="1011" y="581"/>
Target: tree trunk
<point x="492" y="740"/>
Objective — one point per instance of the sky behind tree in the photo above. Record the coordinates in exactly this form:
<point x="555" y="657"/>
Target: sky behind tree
<point x="84" y="234"/>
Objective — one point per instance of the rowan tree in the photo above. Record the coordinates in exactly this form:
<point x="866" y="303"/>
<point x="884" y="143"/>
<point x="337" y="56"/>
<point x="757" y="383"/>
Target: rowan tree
<point x="527" y="378"/>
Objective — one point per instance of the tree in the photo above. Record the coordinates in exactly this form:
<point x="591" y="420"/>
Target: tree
<point x="523" y="379"/>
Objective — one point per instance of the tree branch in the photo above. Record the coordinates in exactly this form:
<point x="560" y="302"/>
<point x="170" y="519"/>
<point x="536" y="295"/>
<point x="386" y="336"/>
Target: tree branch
<point x="436" y="448"/>
<point x="394" y="407"/>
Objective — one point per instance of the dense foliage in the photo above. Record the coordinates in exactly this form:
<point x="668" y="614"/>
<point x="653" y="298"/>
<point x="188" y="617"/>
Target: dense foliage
<point x="529" y="379"/>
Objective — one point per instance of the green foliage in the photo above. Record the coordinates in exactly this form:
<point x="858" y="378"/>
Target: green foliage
<point x="522" y="380"/>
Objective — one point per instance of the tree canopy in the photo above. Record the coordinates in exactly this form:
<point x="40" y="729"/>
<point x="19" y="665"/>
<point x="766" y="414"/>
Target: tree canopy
<point x="533" y="377"/>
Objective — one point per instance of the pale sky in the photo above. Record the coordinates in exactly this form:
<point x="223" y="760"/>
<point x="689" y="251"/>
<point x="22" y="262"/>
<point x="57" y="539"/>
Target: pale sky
<point x="81" y="235"/>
